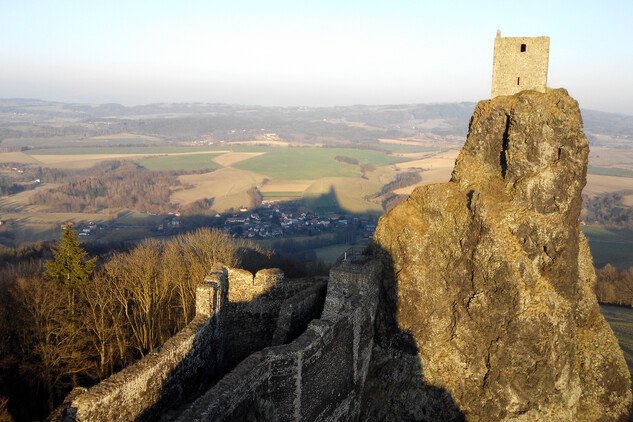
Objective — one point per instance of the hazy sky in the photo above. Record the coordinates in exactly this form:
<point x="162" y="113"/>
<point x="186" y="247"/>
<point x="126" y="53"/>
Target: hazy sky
<point x="304" y="53"/>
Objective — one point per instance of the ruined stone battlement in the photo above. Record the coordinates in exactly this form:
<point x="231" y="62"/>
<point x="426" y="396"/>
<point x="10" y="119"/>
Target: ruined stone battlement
<point x="246" y="287"/>
<point x="320" y="375"/>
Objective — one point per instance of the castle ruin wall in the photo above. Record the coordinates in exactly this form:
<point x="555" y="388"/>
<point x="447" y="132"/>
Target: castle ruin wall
<point x="297" y="311"/>
<point x="245" y="287"/>
<point x="320" y="375"/>
<point x="252" y="323"/>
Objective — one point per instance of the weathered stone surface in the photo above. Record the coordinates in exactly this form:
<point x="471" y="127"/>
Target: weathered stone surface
<point x="487" y="310"/>
<point x="317" y="377"/>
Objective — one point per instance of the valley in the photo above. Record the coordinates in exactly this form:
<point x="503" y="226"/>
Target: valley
<point x="229" y="160"/>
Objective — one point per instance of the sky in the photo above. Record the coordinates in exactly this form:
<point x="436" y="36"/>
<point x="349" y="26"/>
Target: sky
<point x="305" y="53"/>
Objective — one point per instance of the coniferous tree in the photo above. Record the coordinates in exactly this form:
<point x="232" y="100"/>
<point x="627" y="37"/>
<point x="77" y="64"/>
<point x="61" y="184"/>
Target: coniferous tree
<point x="69" y="267"/>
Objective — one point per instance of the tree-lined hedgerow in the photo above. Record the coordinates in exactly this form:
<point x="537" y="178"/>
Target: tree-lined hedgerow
<point x="615" y="286"/>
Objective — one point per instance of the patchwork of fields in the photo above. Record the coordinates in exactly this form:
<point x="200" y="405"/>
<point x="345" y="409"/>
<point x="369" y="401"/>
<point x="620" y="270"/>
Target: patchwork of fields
<point x="308" y="173"/>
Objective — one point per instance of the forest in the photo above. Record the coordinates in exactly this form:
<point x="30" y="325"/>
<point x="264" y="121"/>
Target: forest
<point x="614" y="286"/>
<point x="112" y="184"/>
<point x="607" y="210"/>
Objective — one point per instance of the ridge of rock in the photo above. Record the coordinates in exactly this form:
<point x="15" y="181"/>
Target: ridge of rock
<point x="487" y="308"/>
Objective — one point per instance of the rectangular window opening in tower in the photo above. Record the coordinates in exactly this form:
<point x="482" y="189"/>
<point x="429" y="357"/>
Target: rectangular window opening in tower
<point x="523" y="48"/>
<point x="519" y="80"/>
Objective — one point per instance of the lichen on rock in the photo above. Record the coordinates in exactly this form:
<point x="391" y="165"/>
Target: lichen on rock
<point x="489" y="287"/>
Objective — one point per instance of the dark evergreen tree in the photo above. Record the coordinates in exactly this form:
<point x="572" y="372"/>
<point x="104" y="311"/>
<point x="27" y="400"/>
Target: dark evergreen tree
<point x="69" y="267"/>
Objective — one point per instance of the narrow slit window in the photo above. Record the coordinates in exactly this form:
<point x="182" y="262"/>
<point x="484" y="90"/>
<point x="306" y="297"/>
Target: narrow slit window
<point x="523" y="48"/>
<point x="519" y="80"/>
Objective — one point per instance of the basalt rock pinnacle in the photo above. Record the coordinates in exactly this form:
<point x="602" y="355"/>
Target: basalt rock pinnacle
<point x="487" y="309"/>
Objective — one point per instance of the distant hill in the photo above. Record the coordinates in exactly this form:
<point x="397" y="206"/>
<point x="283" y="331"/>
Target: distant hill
<point x="173" y="122"/>
<point x="611" y="124"/>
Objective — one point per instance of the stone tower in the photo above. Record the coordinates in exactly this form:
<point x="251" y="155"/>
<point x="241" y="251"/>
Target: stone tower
<point x="520" y="64"/>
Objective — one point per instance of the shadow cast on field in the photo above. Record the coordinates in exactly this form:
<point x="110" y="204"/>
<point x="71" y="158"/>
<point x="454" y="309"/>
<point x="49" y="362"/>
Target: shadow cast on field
<point x="324" y="202"/>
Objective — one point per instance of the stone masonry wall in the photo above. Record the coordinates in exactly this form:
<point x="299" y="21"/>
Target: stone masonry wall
<point x="514" y="70"/>
<point x="161" y="379"/>
<point x="245" y="287"/>
<point x="320" y="375"/>
<point x="297" y="311"/>
<point x="252" y="313"/>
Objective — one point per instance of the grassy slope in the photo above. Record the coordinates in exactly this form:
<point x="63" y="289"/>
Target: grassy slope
<point x="610" y="246"/>
<point x="329" y="254"/>
<point x="621" y="321"/>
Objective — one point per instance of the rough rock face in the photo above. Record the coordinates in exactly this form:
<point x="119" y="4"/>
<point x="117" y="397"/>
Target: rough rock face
<point x="488" y="311"/>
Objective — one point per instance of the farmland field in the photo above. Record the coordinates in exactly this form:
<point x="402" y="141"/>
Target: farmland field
<point x="599" y="184"/>
<point x="17" y="157"/>
<point x="342" y="193"/>
<point x="329" y="254"/>
<point x="286" y="186"/>
<point x="231" y="158"/>
<point x="611" y="157"/>
<point x="611" y="246"/>
<point x="127" y="138"/>
<point x="195" y="161"/>
<point x="227" y="186"/>
<point x="84" y="161"/>
<point x="275" y="195"/>
<point x="312" y="163"/>
<point x="68" y="159"/>
<point x="21" y="201"/>
<point x="610" y="171"/>
<point x="437" y="169"/>
<point x="72" y="141"/>
<point x="36" y="226"/>
<point x="300" y="240"/>
<point x="118" y="150"/>
<point x="403" y="149"/>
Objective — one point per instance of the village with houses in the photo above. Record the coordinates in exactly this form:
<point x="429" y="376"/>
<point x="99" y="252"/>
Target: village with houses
<point x="273" y="220"/>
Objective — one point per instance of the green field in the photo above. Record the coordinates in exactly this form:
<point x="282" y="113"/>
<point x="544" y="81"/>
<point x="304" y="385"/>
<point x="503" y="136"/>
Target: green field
<point x="140" y="219"/>
<point x="311" y="163"/>
<point x="268" y="195"/>
<point x="180" y="162"/>
<point x="403" y="149"/>
<point x="609" y="171"/>
<point x="272" y="243"/>
<point x="621" y="321"/>
<point x="74" y="141"/>
<point x="610" y="246"/>
<point x="329" y="254"/>
<point x="114" y="150"/>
